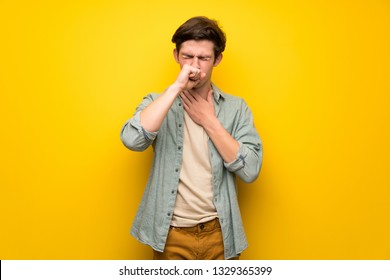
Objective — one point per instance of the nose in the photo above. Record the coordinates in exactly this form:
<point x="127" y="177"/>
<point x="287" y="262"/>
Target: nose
<point x="195" y="62"/>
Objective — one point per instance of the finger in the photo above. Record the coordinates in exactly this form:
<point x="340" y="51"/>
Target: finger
<point x="185" y="102"/>
<point x="186" y="107"/>
<point x="190" y="96"/>
<point x="185" y="99"/>
<point x="194" y="74"/>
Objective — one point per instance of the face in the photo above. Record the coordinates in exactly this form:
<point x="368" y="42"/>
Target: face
<point x="199" y="54"/>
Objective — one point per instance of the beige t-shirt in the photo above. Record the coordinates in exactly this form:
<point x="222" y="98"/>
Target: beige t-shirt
<point x="194" y="201"/>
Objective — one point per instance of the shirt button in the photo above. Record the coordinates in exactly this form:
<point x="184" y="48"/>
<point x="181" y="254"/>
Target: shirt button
<point x="172" y="192"/>
<point x="179" y="104"/>
<point x="177" y="170"/>
<point x="201" y="226"/>
<point x="169" y="214"/>
<point x="180" y="125"/>
<point x="179" y="148"/>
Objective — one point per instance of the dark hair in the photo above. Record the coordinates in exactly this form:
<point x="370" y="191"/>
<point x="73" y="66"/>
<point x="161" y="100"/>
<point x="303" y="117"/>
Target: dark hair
<point x="200" y="28"/>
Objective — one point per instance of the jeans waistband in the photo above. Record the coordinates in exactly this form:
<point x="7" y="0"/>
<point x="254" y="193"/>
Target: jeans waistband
<point x="202" y="227"/>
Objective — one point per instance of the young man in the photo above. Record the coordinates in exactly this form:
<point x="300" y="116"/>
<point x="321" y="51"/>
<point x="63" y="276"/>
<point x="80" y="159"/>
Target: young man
<point x="202" y="139"/>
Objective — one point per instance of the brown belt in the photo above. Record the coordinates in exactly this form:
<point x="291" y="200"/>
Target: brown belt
<point x="202" y="227"/>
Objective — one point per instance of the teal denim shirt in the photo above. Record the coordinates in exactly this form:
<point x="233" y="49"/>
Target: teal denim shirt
<point x="152" y="221"/>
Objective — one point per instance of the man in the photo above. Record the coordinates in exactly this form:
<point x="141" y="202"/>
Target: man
<point x="202" y="139"/>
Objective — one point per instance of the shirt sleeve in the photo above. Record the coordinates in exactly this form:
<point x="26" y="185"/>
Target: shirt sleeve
<point x="249" y="157"/>
<point x="133" y="135"/>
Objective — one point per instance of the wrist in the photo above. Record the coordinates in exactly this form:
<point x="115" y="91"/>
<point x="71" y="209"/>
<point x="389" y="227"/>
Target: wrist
<point x="211" y="123"/>
<point x="174" y="89"/>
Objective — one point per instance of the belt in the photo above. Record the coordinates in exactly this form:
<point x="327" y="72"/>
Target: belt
<point x="202" y="227"/>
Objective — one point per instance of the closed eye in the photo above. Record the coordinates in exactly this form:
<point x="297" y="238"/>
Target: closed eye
<point x="203" y="58"/>
<point x="187" y="56"/>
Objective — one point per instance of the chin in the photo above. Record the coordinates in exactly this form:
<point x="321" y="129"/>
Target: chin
<point x="201" y="85"/>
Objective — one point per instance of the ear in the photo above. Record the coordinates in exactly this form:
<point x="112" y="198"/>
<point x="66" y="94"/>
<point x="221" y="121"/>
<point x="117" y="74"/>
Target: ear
<point x="176" y="55"/>
<point x="218" y="60"/>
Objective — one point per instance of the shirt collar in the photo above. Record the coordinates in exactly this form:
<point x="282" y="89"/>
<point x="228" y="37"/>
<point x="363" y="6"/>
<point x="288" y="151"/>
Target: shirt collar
<point x="218" y="94"/>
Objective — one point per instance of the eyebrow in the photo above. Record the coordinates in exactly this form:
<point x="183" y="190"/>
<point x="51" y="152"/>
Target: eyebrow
<point x="198" y="56"/>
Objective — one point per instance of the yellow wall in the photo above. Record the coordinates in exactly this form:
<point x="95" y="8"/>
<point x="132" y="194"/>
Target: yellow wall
<point x="315" y="73"/>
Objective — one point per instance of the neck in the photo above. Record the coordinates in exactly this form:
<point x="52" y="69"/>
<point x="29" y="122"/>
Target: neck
<point x="203" y="90"/>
